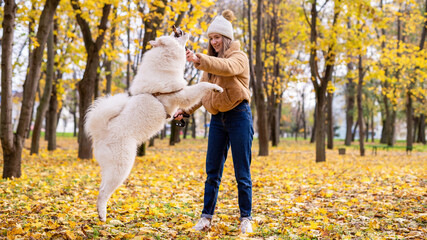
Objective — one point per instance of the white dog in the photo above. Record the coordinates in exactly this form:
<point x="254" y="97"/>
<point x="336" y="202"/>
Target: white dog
<point x="119" y="124"/>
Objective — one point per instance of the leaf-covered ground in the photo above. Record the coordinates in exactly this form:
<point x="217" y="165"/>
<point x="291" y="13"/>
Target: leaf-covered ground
<point x="348" y="197"/>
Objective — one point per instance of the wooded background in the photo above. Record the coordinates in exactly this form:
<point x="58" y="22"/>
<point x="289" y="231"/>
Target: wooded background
<point x="67" y="53"/>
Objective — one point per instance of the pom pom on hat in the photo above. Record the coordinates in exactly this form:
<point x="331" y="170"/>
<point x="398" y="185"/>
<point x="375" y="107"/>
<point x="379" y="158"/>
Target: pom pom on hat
<point x="222" y="24"/>
<point x="229" y="15"/>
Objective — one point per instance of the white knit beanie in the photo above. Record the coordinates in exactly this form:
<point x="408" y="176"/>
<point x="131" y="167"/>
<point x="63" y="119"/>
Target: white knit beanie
<point x="222" y="24"/>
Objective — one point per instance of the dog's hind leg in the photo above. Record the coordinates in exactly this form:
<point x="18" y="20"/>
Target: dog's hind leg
<point x="114" y="172"/>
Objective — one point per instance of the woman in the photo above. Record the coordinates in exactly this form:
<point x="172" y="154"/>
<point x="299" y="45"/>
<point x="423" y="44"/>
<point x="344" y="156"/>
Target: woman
<point x="231" y="122"/>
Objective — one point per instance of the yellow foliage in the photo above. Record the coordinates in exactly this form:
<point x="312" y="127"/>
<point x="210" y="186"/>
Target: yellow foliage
<point x="293" y="197"/>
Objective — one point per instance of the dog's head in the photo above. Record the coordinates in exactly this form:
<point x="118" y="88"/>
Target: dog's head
<point x="171" y="41"/>
<point x="162" y="67"/>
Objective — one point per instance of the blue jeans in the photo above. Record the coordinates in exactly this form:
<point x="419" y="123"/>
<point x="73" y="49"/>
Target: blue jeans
<point x="233" y="128"/>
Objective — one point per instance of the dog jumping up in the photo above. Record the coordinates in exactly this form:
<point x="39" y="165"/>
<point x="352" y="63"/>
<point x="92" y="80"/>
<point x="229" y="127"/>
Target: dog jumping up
<point x="119" y="124"/>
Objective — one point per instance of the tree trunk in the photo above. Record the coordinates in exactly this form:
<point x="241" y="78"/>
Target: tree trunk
<point x="172" y="136"/>
<point x="251" y="47"/>
<point x="367" y="129"/>
<point x="275" y="125"/>
<point x="304" y="124"/>
<point x="258" y="91"/>
<point x="12" y="163"/>
<point x="330" y="125"/>
<point x="31" y="83"/>
<point x="185" y="130"/>
<point x="372" y="127"/>
<point x="141" y="150"/>
<point x="353" y="135"/>
<point x="409" y="121"/>
<point x="320" y="126"/>
<point x="175" y="132"/>
<point x="360" y="109"/>
<point x="275" y="120"/>
<point x="392" y="136"/>
<point x="320" y="83"/>
<point x="386" y="132"/>
<point x="86" y="91"/>
<point x="108" y="61"/>
<point x="193" y="126"/>
<point x="416" y="125"/>
<point x="74" y="113"/>
<point x="53" y="116"/>
<point x="30" y="33"/>
<point x="297" y="120"/>
<point x="409" y="105"/>
<point x="163" y="133"/>
<point x="422" y="129"/>
<point x="86" y="86"/>
<point x="349" y="113"/>
<point x="12" y="160"/>
<point x="47" y="122"/>
<point x="391" y="139"/>
<point x="44" y="101"/>
<point x="28" y="134"/>
<point x="313" y="130"/>
<point x="151" y="142"/>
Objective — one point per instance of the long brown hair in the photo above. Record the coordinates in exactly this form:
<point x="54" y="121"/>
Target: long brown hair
<point x="226" y="42"/>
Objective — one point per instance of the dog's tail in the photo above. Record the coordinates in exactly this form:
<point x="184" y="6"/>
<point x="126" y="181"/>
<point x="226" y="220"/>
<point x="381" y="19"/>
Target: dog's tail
<point x="101" y="112"/>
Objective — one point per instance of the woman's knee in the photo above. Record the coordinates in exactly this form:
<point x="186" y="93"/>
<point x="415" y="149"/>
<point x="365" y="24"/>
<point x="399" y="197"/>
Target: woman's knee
<point x="213" y="181"/>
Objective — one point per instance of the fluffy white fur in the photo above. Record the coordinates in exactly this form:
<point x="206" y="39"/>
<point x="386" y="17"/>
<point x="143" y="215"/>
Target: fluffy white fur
<point x="118" y="124"/>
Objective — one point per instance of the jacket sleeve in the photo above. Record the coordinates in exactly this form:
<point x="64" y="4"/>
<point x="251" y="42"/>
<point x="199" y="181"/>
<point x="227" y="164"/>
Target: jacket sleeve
<point x="198" y="105"/>
<point x="193" y="109"/>
<point x="231" y="66"/>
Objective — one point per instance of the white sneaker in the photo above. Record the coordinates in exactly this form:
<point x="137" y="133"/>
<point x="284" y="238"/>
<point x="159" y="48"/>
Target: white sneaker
<point x="203" y="224"/>
<point x="246" y="226"/>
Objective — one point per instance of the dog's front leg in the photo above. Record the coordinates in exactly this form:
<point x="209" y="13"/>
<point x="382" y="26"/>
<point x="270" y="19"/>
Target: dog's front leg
<point x="192" y="95"/>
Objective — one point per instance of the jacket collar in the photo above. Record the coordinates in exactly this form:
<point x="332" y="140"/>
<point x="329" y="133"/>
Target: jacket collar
<point x="234" y="46"/>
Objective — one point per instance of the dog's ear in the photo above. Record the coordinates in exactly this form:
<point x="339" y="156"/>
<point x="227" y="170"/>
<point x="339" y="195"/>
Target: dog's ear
<point x="160" y="41"/>
<point x="154" y="43"/>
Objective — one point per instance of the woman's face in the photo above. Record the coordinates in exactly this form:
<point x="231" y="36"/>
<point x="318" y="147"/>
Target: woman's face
<point x="215" y="40"/>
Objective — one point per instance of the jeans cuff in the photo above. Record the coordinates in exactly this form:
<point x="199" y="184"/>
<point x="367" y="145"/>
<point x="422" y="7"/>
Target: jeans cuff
<point x="206" y="215"/>
<point x="243" y="218"/>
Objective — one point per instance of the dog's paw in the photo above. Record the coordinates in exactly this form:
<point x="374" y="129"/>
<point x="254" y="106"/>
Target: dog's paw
<point x="218" y="89"/>
<point x="102" y="218"/>
<point x="102" y="214"/>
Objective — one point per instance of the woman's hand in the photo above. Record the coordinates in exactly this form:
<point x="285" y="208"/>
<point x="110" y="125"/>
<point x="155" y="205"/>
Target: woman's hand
<point x="191" y="57"/>
<point x="178" y="115"/>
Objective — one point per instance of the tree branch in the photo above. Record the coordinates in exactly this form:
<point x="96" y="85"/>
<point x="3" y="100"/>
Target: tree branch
<point x="323" y="5"/>
<point x="424" y="32"/>
<point x="84" y="25"/>
<point x="103" y="25"/>
<point x="305" y="14"/>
